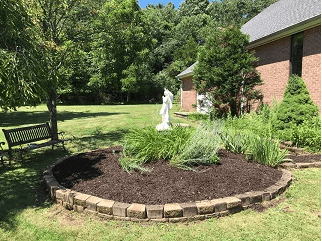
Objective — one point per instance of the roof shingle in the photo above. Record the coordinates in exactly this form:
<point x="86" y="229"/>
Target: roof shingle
<point x="281" y="15"/>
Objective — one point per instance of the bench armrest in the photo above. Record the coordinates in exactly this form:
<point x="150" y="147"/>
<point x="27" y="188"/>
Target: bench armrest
<point x="2" y="143"/>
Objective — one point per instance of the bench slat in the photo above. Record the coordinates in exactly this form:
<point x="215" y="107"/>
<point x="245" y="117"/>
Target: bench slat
<point x="27" y="134"/>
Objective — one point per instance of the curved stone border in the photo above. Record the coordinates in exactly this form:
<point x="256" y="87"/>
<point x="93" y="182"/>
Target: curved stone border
<point x="170" y="212"/>
<point x="299" y="165"/>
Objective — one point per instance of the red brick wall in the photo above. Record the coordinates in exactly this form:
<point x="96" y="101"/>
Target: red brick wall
<point x="274" y="66"/>
<point x="311" y="65"/>
<point x="189" y="94"/>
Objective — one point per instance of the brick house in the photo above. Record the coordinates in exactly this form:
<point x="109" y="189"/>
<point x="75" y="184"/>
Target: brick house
<point x="286" y="37"/>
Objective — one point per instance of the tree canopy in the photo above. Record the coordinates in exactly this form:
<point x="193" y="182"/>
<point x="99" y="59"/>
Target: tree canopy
<point x="226" y="70"/>
<point x="97" y="51"/>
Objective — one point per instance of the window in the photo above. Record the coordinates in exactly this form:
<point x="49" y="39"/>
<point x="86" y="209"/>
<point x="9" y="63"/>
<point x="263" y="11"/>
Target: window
<point x="296" y="53"/>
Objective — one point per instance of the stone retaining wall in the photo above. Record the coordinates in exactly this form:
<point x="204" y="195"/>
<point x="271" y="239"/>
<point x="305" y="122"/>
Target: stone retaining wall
<point x="170" y="212"/>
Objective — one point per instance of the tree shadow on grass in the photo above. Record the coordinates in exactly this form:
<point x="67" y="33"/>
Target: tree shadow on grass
<point x="21" y="184"/>
<point x="37" y="117"/>
<point x="98" y="140"/>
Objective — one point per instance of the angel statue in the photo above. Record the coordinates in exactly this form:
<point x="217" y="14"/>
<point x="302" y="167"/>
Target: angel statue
<point x="164" y="112"/>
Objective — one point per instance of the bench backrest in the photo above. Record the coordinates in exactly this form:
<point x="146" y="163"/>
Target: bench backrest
<point x="27" y="134"/>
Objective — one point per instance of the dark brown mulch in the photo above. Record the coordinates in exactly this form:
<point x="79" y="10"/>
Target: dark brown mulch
<point x="305" y="158"/>
<point x="98" y="173"/>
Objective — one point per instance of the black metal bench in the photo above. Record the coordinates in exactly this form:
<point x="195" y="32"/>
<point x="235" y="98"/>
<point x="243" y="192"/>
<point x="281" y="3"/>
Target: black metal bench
<point x="29" y="135"/>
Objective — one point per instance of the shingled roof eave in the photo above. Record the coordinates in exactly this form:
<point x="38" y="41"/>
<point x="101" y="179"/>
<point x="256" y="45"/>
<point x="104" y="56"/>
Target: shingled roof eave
<point x="296" y="28"/>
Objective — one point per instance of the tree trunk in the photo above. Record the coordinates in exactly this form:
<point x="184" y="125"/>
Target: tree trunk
<point x="51" y="105"/>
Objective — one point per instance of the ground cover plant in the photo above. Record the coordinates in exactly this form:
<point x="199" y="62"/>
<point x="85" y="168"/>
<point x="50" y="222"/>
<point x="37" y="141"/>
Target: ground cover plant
<point x="28" y="214"/>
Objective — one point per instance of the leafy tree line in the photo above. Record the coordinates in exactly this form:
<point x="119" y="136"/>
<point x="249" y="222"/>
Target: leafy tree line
<point x="98" y="51"/>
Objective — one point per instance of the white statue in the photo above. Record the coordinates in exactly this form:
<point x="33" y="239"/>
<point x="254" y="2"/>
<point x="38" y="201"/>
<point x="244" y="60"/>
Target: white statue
<point x="164" y="112"/>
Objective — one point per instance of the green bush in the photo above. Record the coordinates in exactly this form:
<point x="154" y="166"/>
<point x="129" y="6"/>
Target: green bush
<point x="202" y="147"/>
<point x="308" y="134"/>
<point x="266" y="151"/>
<point x="296" y="106"/>
<point x="252" y="122"/>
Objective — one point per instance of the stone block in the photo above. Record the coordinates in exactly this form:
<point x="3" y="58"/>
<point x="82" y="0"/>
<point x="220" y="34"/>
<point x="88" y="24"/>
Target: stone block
<point x="120" y="209"/>
<point x="139" y="220"/>
<point x="60" y="194"/>
<point x="302" y="165"/>
<point x="189" y="209"/>
<point x="80" y="199"/>
<point x="105" y="216"/>
<point x="160" y="220"/>
<point x="78" y="208"/>
<point x="205" y="207"/>
<point x="288" y="165"/>
<point x="70" y="196"/>
<point x="67" y="206"/>
<point x="136" y="211"/>
<point x="244" y="198"/>
<point x="317" y="164"/>
<point x="232" y="202"/>
<point x="105" y="206"/>
<point x="273" y="190"/>
<point x="91" y="203"/>
<point x="220" y="204"/>
<point x="255" y="197"/>
<point x="196" y="218"/>
<point x="178" y="220"/>
<point x="172" y="210"/>
<point x="266" y="196"/>
<point x="154" y="211"/>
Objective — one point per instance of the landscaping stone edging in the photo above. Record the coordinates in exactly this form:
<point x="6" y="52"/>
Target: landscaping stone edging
<point x="170" y="212"/>
<point x="300" y="165"/>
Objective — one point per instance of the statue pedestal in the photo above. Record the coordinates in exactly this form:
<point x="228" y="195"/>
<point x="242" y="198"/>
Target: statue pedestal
<point x="164" y="126"/>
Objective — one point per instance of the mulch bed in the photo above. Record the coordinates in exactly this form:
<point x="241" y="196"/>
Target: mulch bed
<point x="306" y="158"/>
<point x="98" y="173"/>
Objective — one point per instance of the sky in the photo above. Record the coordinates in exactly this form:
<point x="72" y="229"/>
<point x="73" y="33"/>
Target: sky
<point x="143" y="3"/>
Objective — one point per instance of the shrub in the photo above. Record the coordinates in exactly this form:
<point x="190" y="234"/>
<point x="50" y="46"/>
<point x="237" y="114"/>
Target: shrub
<point x="202" y="147"/>
<point x="308" y="134"/>
<point x="259" y="125"/>
<point x="266" y="151"/>
<point x="296" y="106"/>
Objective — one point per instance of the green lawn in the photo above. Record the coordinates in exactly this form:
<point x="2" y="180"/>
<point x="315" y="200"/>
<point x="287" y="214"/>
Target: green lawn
<point x="27" y="214"/>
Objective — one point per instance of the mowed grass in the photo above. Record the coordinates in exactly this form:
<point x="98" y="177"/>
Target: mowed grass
<point x="27" y="214"/>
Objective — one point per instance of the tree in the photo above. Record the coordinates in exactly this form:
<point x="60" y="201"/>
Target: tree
<point x="226" y="70"/>
<point x="121" y="49"/>
<point x="190" y="8"/>
<point x="21" y="72"/>
<point x="236" y="12"/>
<point x="296" y="106"/>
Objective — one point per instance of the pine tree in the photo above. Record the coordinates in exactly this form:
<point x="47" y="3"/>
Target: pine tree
<point x="296" y="105"/>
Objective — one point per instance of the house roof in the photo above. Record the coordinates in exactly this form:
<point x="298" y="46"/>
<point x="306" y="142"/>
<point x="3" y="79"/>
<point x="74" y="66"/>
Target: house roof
<point x="281" y="16"/>
<point x="187" y="72"/>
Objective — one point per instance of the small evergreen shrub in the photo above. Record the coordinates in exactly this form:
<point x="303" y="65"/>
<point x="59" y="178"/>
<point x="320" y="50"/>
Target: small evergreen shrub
<point x="296" y="105"/>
